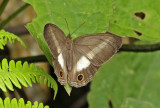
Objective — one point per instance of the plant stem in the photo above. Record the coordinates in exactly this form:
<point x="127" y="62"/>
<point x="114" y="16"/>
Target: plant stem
<point x="32" y="59"/>
<point x="3" y="23"/>
<point x="126" y="48"/>
<point x="3" y="5"/>
<point x="141" y="48"/>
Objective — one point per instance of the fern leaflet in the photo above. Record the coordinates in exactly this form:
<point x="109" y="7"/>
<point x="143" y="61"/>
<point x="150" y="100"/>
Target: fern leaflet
<point x="7" y="103"/>
<point x="17" y="74"/>
<point x="5" y="36"/>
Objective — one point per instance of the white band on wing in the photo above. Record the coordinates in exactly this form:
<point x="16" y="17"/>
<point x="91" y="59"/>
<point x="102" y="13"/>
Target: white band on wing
<point x="83" y="63"/>
<point x="60" y="60"/>
<point x="96" y="50"/>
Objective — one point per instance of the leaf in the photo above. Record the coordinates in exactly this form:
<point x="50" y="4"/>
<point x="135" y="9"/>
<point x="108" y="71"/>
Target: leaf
<point x="19" y="104"/>
<point x="127" y="75"/>
<point x="6" y="36"/>
<point x="134" y="103"/>
<point x="93" y="12"/>
<point x="117" y="16"/>
<point x="22" y="74"/>
<point x="68" y="88"/>
<point x="136" y="18"/>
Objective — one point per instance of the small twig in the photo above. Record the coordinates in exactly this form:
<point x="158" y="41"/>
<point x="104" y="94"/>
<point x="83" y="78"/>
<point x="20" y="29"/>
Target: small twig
<point x="3" y="5"/>
<point x="32" y="59"/>
<point x="126" y="48"/>
<point x="3" y="23"/>
<point x="140" y="48"/>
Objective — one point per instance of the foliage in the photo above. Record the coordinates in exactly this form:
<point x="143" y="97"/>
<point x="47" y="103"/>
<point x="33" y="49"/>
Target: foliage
<point x="5" y="36"/>
<point x="7" y="103"/>
<point x="124" y="21"/>
<point x="118" y="16"/>
<point x="135" y="103"/>
<point x="18" y="73"/>
<point x="129" y="79"/>
<point x="127" y="75"/>
<point x="94" y="13"/>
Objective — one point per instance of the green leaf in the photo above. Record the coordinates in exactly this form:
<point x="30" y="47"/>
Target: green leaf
<point x="134" y="103"/>
<point x="29" y="104"/>
<point x="7" y="103"/>
<point x="117" y="16"/>
<point x="19" y="104"/>
<point x="1" y="103"/>
<point x="94" y="13"/>
<point x="75" y="12"/>
<point x="68" y="88"/>
<point x="6" y="36"/>
<point x="127" y="75"/>
<point x="22" y="74"/>
<point x="124" y="21"/>
<point x="13" y="103"/>
<point x="35" y="104"/>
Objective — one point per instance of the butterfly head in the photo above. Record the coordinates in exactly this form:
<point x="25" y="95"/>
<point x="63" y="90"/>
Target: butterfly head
<point x="69" y="36"/>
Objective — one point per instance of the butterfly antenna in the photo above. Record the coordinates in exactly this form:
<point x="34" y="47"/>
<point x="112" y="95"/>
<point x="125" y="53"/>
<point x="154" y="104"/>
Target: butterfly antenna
<point x="67" y="26"/>
<point x="77" y="28"/>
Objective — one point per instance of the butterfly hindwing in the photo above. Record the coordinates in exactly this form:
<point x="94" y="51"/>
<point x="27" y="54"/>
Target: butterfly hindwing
<point x="82" y="70"/>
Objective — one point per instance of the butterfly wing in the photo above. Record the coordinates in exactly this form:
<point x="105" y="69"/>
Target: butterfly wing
<point x="98" y="48"/>
<point x="89" y="53"/>
<point x="56" y="41"/>
<point x="82" y="70"/>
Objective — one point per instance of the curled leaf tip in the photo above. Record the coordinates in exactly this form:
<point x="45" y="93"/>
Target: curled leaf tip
<point x="68" y="88"/>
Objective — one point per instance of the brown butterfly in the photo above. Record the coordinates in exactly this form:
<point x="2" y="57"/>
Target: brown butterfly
<point x="77" y="61"/>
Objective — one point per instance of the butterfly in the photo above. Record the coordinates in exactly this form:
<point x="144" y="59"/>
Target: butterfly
<point x="77" y="61"/>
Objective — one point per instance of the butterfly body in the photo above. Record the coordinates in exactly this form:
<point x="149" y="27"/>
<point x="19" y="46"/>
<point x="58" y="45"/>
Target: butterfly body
<point x="76" y="61"/>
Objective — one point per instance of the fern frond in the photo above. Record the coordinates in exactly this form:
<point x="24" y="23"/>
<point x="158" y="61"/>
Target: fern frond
<point x="18" y="74"/>
<point x="6" y="36"/>
<point x="7" y="103"/>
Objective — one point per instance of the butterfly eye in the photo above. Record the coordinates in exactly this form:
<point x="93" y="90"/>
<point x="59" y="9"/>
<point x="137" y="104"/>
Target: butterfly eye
<point x="61" y="73"/>
<point x="80" y="77"/>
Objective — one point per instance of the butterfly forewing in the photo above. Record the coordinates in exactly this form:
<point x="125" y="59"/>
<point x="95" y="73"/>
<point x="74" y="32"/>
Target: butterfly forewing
<point x="56" y="41"/>
<point x="98" y="48"/>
